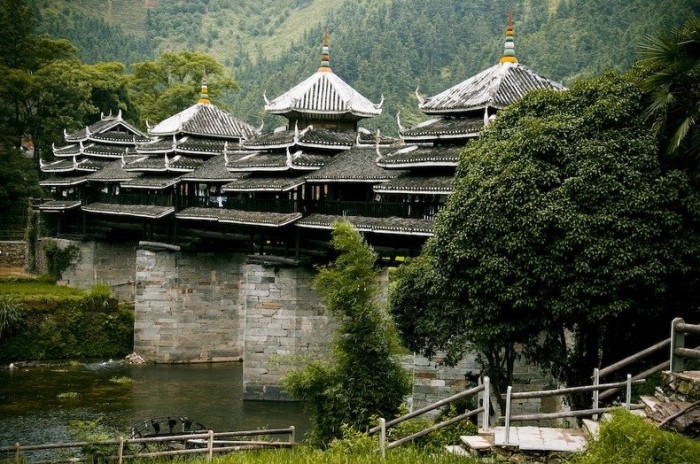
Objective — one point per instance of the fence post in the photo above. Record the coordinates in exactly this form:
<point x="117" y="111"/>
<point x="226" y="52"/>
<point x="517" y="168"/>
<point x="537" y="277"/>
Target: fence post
<point x="292" y="434"/>
<point x="120" y="451"/>
<point x="210" y="446"/>
<point x="508" y="395"/>
<point x="628" y="399"/>
<point x="17" y="448"/>
<point x="596" y="382"/>
<point x="382" y="437"/>
<point x="677" y="341"/>
<point x="486" y="404"/>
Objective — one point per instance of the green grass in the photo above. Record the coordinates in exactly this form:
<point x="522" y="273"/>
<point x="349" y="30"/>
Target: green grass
<point x="631" y="440"/>
<point x="304" y="455"/>
<point x="36" y="288"/>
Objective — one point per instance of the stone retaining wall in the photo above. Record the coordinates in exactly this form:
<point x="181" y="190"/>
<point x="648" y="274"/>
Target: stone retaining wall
<point x="113" y="264"/>
<point x="13" y="254"/>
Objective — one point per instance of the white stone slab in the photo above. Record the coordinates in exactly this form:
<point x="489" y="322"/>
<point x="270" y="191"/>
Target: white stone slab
<point x="476" y="442"/>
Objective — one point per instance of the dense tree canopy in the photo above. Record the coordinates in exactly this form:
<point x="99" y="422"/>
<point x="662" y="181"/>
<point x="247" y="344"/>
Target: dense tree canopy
<point x="169" y="84"/>
<point x="561" y="220"/>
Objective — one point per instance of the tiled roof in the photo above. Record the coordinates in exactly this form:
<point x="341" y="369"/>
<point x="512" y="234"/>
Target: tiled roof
<point x="355" y="165"/>
<point x="68" y="150"/>
<point x="67" y="165"/>
<point x="114" y="172"/>
<point x="117" y="137"/>
<point x="233" y="216"/>
<point x="63" y="181"/>
<point x="165" y="163"/>
<point x="442" y="128"/>
<point x="259" y="161"/>
<point x="106" y="151"/>
<point x="303" y="161"/>
<point x="411" y="183"/>
<point x="279" y="139"/>
<point x="323" y="95"/>
<point x="187" y="144"/>
<point x="213" y="170"/>
<point x="414" y="156"/>
<point x="151" y="182"/>
<point x="204" y="119"/>
<point x="158" y="145"/>
<point x="309" y="137"/>
<point x="495" y="87"/>
<point x="264" y="183"/>
<point x="105" y="124"/>
<point x="62" y="205"/>
<point x="389" y="225"/>
<point x="204" y="146"/>
<point x="150" y="212"/>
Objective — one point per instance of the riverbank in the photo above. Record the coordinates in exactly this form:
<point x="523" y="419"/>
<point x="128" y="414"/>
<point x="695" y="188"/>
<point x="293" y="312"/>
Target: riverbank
<point x="41" y="321"/>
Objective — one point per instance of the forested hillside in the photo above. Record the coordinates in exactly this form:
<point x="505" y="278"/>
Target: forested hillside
<point x="387" y="47"/>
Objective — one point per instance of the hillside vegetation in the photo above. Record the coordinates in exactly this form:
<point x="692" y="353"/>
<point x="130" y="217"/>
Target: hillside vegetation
<point x="387" y="47"/>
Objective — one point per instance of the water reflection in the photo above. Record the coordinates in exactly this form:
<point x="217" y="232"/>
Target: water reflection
<point x="37" y="403"/>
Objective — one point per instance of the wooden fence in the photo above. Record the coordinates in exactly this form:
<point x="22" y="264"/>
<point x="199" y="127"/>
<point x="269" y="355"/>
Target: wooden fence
<point x="483" y="391"/>
<point x="206" y="443"/>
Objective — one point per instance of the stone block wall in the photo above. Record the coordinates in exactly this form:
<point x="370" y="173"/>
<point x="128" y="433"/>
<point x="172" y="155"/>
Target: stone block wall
<point x="13" y="254"/>
<point x="188" y="306"/>
<point x="113" y="264"/>
<point x="285" y="325"/>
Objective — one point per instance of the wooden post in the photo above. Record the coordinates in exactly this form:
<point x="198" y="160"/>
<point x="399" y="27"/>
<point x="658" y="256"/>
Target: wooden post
<point x="120" y="451"/>
<point x="628" y="400"/>
<point x="509" y="393"/>
<point x="210" y="446"/>
<point x="677" y="341"/>
<point x="382" y="437"/>
<point x="292" y="434"/>
<point x="17" y="448"/>
<point x="596" y="393"/>
<point x="486" y="404"/>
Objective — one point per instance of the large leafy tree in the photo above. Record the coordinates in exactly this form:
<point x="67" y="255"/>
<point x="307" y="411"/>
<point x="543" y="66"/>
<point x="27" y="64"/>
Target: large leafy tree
<point x="675" y="89"/>
<point x="172" y="82"/>
<point x="361" y="379"/>
<point x="563" y="236"/>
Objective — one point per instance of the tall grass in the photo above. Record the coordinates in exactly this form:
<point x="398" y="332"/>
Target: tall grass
<point x="630" y="440"/>
<point x="304" y="455"/>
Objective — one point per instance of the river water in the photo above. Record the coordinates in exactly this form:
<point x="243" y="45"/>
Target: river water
<point x="37" y="403"/>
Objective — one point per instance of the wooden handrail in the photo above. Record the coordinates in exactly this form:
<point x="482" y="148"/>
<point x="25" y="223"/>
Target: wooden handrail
<point x="435" y="427"/>
<point x="564" y="391"/>
<point x="688" y="328"/>
<point x="635" y="357"/>
<point x="428" y="408"/>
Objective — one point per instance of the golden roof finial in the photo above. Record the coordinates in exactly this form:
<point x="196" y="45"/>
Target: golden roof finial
<point x="325" y="57"/>
<point x="509" y="46"/>
<point x="204" y="93"/>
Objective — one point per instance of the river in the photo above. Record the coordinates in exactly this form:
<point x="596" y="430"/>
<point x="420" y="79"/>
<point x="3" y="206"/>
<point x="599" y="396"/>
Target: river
<point x="37" y="403"/>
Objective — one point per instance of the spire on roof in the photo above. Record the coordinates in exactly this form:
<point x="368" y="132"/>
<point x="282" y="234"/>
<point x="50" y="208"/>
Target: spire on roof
<point x="204" y="94"/>
<point x="325" y="57"/>
<point x="509" y="46"/>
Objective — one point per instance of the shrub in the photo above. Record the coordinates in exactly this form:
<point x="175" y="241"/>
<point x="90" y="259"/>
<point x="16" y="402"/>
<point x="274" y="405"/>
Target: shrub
<point x="58" y="259"/>
<point x="629" y="439"/>
<point x="361" y="378"/>
<point x="10" y="313"/>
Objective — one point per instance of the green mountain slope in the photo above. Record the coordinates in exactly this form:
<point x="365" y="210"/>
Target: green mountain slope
<point x="387" y="47"/>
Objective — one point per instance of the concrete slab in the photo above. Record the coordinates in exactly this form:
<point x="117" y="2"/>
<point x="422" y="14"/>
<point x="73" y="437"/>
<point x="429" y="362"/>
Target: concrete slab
<point x="476" y="442"/>
<point x="542" y="439"/>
